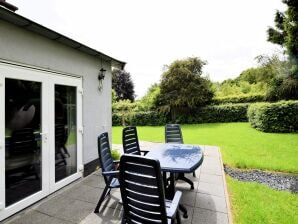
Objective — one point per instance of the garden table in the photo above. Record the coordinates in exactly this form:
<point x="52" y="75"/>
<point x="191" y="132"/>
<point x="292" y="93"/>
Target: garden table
<point x="175" y="159"/>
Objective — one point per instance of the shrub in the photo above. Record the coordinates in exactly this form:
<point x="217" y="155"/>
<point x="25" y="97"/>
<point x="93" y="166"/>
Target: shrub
<point x="274" y="117"/>
<point x="239" y="99"/>
<point x="139" y="118"/>
<point x="115" y="153"/>
<point x="216" y="113"/>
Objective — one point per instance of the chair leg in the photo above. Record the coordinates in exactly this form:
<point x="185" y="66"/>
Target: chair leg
<point x="194" y="174"/>
<point x="178" y="218"/>
<point x="102" y="197"/>
<point x="182" y="177"/>
<point x="184" y="210"/>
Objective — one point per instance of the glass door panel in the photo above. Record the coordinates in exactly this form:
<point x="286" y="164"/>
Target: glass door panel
<point x="65" y="131"/>
<point x="22" y="139"/>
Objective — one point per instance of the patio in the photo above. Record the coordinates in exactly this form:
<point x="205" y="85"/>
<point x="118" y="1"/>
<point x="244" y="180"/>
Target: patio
<point x="207" y="203"/>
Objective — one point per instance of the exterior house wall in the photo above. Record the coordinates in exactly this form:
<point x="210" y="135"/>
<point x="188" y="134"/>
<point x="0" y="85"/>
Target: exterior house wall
<point x="25" y="47"/>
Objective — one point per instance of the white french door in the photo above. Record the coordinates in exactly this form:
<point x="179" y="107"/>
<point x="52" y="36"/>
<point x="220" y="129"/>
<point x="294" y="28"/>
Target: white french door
<point x="40" y="138"/>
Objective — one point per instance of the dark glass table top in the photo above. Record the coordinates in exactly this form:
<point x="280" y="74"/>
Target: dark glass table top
<point x="177" y="158"/>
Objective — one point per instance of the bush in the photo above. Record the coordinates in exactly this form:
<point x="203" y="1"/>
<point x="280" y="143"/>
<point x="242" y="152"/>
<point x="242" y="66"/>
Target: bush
<point x="239" y="99"/>
<point x="139" y="118"/>
<point x="274" y="117"/>
<point x="216" y="113"/>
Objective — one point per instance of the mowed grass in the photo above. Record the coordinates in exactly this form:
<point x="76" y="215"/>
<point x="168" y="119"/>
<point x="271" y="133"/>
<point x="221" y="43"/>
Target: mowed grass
<point x="259" y="204"/>
<point x="241" y="146"/>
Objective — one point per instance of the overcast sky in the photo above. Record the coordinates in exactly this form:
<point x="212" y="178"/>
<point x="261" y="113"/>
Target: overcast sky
<point x="148" y="34"/>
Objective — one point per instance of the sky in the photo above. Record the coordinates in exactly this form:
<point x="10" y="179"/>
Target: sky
<point x="149" y="34"/>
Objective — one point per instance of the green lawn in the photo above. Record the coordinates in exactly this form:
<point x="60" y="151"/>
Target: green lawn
<point x="245" y="147"/>
<point x="259" y="204"/>
<point x="241" y="145"/>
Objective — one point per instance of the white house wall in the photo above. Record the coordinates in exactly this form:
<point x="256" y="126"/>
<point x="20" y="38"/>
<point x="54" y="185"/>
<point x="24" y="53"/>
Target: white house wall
<point x="25" y="47"/>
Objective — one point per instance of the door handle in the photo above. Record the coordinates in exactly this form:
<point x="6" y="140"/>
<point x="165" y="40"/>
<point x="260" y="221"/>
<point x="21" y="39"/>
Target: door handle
<point x="44" y="136"/>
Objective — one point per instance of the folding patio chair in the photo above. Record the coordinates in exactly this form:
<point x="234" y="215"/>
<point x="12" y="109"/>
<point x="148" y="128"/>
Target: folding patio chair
<point x="173" y="134"/>
<point x="107" y="167"/>
<point x="143" y="194"/>
<point x="130" y="141"/>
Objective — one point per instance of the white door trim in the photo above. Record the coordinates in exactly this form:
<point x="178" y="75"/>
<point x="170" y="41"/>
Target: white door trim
<point x="47" y="80"/>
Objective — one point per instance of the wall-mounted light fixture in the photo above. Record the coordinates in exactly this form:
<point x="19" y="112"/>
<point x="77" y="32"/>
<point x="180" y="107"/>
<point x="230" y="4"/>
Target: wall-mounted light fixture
<point x="101" y="76"/>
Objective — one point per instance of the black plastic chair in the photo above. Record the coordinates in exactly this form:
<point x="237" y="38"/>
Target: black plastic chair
<point x="143" y="194"/>
<point x="130" y="141"/>
<point x="107" y="166"/>
<point x="173" y="134"/>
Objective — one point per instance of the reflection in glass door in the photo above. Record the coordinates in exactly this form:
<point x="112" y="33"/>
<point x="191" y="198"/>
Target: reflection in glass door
<point x="65" y="131"/>
<point x="22" y="139"/>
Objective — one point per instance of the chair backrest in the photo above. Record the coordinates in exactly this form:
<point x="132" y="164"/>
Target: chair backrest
<point x="104" y="154"/>
<point x="22" y="142"/>
<point x="142" y="190"/>
<point x="173" y="133"/>
<point x="130" y="141"/>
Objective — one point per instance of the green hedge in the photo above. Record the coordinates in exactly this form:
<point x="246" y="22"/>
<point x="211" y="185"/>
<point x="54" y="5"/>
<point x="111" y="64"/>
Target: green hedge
<point x="274" y="117"/>
<point x="151" y="118"/>
<point x="216" y="113"/>
<point x="238" y="99"/>
<point x="208" y="114"/>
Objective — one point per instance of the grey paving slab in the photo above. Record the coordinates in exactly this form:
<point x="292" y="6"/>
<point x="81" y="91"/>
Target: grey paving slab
<point x="54" y="205"/>
<point x="38" y="218"/>
<point x="76" y="211"/>
<point x="211" y="202"/>
<point x="213" y="189"/>
<point x="105" y="215"/>
<point x="84" y="193"/>
<point x="76" y="202"/>
<point x="211" y="179"/>
<point x="204" y="216"/>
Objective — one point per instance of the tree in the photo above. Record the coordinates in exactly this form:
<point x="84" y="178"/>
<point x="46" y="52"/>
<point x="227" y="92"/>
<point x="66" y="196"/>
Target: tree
<point x="123" y="85"/>
<point x="285" y="34"/>
<point x="183" y="87"/>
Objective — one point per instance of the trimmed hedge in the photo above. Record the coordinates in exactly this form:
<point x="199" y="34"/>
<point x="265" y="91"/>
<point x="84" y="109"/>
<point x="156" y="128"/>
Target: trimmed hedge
<point x="216" y="113"/>
<point x="151" y="118"/>
<point x="238" y="99"/>
<point x="208" y="114"/>
<point x="274" y="117"/>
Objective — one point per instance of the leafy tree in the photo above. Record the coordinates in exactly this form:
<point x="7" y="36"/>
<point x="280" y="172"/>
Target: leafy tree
<point x="123" y="85"/>
<point x="183" y="87"/>
<point x="285" y="34"/>
<point x="151" y="99"/>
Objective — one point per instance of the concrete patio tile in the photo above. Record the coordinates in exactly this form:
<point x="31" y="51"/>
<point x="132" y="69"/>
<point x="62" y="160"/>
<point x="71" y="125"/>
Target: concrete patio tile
<point x="211" y="202"/>
<point x="94" y="181"/>
<point x="84" y="193"/>
<point x="76" y="211"/>
<point x="105" y="215"/>
<point x="211" y="151"/>
<point x="52" y="206"/>
<point x="188" y="198"/>
<point x="204" y="216"/>
<point x="213" y="189"/>
<point x="211" y="162"/>
<point x="212" y="170"/>
<point x="211" y="179"/>
<point x="37" y="218"/>
<point x="190" y="211"/>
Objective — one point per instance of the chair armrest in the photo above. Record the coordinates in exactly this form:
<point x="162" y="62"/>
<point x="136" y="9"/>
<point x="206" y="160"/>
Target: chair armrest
<point x="110" y="173"/>
<point x="174" y="205"/>
<point x="144" y="151"/>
